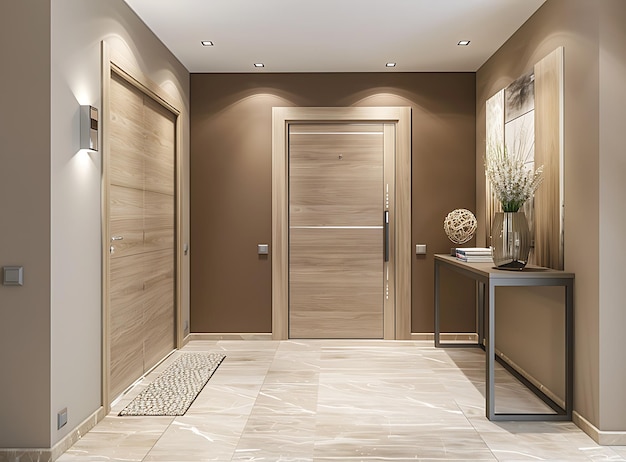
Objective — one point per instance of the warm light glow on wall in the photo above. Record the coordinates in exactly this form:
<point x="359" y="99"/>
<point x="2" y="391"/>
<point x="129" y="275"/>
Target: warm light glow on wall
<point x="84" y="167"/>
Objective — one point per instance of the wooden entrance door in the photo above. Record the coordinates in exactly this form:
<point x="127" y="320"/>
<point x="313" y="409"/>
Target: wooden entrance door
<point x="141" y="136"/>
<point x="336" y="230"/>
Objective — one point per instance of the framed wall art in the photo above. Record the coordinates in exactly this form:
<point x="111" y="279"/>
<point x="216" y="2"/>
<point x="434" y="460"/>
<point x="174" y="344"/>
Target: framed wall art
<point x="526" y="119"/>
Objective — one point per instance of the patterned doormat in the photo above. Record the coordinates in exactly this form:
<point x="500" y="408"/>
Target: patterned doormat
<point x="176" y="388"/>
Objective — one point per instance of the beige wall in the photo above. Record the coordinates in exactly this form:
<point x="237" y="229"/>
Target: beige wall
<point x="612" y="380"/>
<point x="50" y="329"/>
<point x="231" y="180"/>
<point x="594" y="75"/>
<point x="78" y="27"/>
<point x="25" y="222"/>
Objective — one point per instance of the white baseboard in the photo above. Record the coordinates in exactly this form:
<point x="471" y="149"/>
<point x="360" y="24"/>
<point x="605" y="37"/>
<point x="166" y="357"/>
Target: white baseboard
<point x="604" y="438"/>
<point x="52" y="454"/>
<point x="230" y="336"/>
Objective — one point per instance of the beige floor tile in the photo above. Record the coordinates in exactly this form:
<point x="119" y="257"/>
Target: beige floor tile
<point x="340" y="400"/>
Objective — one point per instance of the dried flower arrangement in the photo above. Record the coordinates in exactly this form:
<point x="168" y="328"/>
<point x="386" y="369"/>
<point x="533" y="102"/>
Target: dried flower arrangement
<point x="512" y="181"/>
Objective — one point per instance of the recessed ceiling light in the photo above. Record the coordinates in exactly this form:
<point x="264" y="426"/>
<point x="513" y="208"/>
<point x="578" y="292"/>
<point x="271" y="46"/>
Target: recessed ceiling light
<point x="463" y="43"/>
<point x="259" y="65"/>
<point x="390" y="65"/>
<point x="207" y="43"/>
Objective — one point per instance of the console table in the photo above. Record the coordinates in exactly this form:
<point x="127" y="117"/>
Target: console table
<point x="488" y="278"/>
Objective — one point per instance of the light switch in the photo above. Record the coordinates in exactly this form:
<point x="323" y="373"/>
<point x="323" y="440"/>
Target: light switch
<point x="420" y="249"/>
<point x="263" y="249"/>
<point x="13" y="275"/>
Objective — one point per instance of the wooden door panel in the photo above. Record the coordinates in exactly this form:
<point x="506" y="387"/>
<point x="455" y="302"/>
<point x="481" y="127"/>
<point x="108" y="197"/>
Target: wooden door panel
<point x="158" y="306"/>
<point x="159" y="148"/>
<point x="161" y="343"/>
<point x="315" y="325"/>
<point x="126" y="221"/>
<point x="141" y="189"/>
<point x="336" y="283"/>
<point x="335" y="179"/>
<point x="126" y="135"/>
<point x="127" y="285"/>
<point x="331" y="127"/>
<point x="336" y="200"/>
<point x="126" y="159"/>
<point x="126" y="315"/>
<point x="158" y="221"/>
<point x="158" y="273"/>
<point x="127" y="361"/>
<point x="159" y="176"/>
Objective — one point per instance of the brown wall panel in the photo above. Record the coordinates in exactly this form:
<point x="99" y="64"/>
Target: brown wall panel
<point x="579" y="27"/>
<point x="231" y="171"/>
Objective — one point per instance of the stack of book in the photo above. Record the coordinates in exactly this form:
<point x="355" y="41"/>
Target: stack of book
<point x="474" y="254"/>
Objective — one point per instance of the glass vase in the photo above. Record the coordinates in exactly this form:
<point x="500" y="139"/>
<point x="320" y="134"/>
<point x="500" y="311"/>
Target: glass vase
<point x="510" y="240"/>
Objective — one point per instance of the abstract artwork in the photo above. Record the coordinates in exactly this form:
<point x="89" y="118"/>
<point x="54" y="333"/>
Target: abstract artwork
<point x="526" y="117"/>
<point x="519" y="132"/>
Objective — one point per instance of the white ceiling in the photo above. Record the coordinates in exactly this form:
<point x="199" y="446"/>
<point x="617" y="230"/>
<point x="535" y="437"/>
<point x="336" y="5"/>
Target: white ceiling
<point x="333" y="35"/>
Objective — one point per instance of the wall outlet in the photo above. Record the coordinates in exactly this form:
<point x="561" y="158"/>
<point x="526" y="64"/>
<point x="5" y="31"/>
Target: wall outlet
<point x="13" y="275"/>
<point x="61" y="418"/>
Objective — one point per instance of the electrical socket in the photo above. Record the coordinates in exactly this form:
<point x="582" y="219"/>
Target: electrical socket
<point x="61" y="418"/>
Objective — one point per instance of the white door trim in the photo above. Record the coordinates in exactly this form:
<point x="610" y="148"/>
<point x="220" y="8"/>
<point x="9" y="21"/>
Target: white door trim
<point x="400" y="327"/>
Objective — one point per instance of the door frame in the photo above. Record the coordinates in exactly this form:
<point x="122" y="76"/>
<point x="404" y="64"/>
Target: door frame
<point x="114" y="62"/>
<point x="400" y="326"/>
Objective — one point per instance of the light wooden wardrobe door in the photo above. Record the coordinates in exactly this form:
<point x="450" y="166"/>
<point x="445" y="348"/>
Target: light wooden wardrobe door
<point x="336" y="230"/>
<point x="126" y="166"/>
<point x="158" y="217"/>
<point x="141" y="135"/>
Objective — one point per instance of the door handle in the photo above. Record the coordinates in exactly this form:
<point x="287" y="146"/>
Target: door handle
<point x="386" y="227"/>
<point x="117" y="238"/>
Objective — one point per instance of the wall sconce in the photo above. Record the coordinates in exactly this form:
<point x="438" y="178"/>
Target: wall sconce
<point x="89" y="128"/>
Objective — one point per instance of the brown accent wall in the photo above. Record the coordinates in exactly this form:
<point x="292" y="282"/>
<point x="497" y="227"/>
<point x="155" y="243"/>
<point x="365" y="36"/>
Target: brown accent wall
<point x="231" y="175"/>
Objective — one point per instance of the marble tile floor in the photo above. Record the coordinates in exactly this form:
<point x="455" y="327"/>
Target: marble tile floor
<point x="339" y="400"/>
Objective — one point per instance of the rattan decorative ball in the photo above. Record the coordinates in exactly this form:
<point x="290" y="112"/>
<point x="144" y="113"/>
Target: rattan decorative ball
<point x="460" y="225"/>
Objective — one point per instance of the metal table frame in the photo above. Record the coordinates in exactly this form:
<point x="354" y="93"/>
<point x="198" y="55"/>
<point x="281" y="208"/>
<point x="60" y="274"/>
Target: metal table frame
<point x="488" y="278"/>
